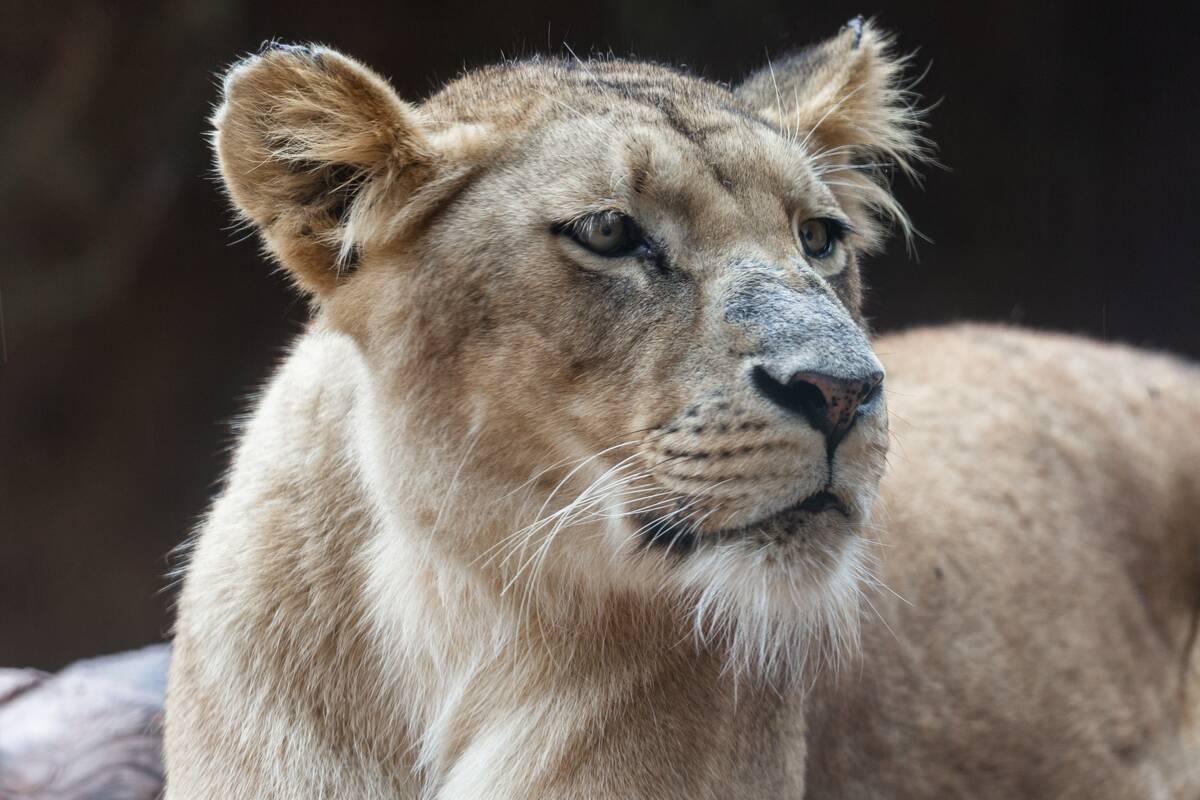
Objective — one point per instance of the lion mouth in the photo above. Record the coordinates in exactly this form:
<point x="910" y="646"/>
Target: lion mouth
<point x="820" y="502"/>
<point x="815" y="504"/>
<point x="678" y="539"/>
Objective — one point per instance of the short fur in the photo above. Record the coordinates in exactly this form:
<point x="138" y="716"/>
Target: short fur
<point x="517" y="520"/>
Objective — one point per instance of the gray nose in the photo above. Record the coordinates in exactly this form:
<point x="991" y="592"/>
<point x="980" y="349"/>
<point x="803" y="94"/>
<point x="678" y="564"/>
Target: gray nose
<point x="829" y="403"/>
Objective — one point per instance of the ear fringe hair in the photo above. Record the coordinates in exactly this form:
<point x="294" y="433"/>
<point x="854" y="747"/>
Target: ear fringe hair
<point x="847" y="103"/>
<point x="883" y="135"/>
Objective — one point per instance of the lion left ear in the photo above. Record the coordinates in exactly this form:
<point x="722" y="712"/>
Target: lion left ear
<point x="314" y="149"/>
<point x="845" y="101"/>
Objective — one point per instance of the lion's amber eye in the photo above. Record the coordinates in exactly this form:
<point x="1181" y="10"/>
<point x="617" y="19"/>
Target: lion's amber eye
<point x="816" y="237"/>
<point x="608" y="234"/>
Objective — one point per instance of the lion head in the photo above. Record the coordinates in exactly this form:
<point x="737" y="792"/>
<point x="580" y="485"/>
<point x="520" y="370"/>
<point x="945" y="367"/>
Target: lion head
<point x="609" y="314"/>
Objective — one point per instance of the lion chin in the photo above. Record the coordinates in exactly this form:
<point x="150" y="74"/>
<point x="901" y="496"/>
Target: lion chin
<point x="777" y="592"/>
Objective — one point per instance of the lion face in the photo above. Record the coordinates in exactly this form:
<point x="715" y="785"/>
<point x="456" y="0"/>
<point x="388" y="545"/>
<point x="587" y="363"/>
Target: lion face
<point x="629" y="296"/>
<point x="657" y="300"/>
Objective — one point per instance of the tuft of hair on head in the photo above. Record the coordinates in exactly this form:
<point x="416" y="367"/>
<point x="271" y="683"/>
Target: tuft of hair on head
<point x="313" y="148"/>
<point x="847" y="103"/>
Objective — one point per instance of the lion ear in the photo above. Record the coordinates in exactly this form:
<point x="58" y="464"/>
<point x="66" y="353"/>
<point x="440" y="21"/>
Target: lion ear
<point x="314" y="148"/>
<point x="845" y="100"/>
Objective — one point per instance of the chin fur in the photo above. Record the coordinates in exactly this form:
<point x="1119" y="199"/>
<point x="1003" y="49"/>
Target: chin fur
<point x="774" y="610"/>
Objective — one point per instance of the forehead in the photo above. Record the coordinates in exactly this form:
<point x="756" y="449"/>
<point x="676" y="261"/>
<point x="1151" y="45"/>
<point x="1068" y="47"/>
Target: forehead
<point x="666" y="130"/>
<point x="510" y="93"/>
<point x="610" y="96"/>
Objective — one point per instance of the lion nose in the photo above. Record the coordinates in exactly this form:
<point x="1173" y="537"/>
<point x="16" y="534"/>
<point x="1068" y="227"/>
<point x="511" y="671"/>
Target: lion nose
<point x="829" y="403"/>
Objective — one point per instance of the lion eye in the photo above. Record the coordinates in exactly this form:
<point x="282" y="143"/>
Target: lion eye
<point x="816" y="237"/>
<point x="608" y="234"/>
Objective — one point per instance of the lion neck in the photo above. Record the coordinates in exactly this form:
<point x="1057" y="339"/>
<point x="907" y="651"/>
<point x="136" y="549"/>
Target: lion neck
<point x="417" y="657"/>
<point x="480" y="665"/>
<point x="482" y="677"/>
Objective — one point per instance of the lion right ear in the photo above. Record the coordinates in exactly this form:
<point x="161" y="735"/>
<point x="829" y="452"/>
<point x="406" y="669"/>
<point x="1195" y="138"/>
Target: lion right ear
<point x="845" y="101"/>
<point x="314" y="148"/>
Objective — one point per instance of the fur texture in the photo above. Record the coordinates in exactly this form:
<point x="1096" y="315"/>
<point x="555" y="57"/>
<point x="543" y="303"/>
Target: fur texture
<point x="1042" y="555"/>
<point x="521" y="518"/>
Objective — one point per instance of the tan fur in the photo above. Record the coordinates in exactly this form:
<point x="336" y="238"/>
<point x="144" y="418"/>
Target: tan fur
<point x="518" y="520"/>
<point x="1040" y="522"/>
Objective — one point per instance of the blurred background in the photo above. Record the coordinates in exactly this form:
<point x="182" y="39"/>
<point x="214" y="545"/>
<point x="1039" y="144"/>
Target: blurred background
<point x="134" y="323"/>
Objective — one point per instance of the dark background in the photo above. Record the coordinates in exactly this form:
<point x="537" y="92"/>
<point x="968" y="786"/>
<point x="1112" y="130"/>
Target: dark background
<point x="136" y="323"/>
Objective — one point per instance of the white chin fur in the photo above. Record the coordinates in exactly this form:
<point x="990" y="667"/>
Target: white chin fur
<point x="774" y="616"/>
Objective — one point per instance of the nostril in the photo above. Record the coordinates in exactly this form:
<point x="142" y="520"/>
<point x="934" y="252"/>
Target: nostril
<point x="872" y="389"/>
<point x="807" y="397"/>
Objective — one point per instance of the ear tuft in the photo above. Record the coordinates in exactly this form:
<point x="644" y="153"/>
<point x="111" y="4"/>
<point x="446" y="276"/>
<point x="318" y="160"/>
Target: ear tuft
<point x="857" y="24"/>
<point x="313" y="147"/>
<point x="268" y="45"/>
<point x="845" y="101"/>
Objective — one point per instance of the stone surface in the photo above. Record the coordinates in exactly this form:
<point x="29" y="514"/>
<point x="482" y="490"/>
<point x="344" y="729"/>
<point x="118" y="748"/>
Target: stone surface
<point x="91" y="731"/>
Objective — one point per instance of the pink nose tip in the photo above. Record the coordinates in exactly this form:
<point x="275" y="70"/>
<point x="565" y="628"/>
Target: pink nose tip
<point x="829" y="403"/>
<point x="833" y="402"/>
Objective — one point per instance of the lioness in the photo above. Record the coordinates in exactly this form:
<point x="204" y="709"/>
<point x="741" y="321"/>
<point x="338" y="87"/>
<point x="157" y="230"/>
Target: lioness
<point x="574" y="487"/>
